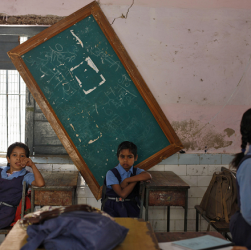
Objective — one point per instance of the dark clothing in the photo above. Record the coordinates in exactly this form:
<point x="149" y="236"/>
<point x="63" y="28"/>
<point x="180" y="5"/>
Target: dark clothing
<point x="10" y="193"/>
<point x="239" y="228"/>
<point x="78" y="230"/>
<point x="124" y="208"/>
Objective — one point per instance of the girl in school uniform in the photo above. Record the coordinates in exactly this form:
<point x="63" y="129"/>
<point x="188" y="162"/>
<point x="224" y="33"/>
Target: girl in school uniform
<point x="12" y="178"/>
<point x="240" y="223"/>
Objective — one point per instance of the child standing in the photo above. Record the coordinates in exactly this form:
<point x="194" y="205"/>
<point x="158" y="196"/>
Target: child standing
<point x="12" y="178"/>
<point x="121" y="183"/>
<point x="240" y="222"/>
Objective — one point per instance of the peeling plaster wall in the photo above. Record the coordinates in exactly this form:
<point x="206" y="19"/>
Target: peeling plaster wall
<point x="194" y="56"/>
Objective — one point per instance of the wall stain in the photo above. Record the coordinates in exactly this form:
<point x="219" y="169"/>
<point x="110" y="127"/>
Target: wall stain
<point x="194" y="137"/>
<point x="229" y="131"/>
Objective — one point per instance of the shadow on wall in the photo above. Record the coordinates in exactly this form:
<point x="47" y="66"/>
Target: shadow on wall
<point x="198" y="136"/>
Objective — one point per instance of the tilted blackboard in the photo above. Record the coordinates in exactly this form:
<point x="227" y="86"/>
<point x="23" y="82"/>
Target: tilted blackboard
<point x="93" y="95"/>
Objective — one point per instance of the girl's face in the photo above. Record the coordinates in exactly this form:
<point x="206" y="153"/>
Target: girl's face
<point x="16" y="156"/>
<point x="126" y="159"/>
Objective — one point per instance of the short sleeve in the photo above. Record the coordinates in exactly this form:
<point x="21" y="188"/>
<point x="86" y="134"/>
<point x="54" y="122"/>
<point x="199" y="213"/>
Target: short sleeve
<point x="243" y="178"/>
<point x="139" y="170"/>
<point x="29" y="178"/>
<point x="111" y="179"/>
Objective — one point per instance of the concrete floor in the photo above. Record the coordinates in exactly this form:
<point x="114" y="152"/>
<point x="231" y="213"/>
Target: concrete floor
<point x="1" y="238"/>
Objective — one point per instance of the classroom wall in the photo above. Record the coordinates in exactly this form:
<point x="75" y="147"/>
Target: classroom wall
<point x="196" y="170"/>
<point x="194" y="56"/>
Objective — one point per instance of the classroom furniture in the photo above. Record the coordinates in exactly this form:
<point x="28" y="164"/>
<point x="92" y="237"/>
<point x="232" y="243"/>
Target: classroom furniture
<point x="220" y="226"/>
<point x="59" y="190"/>
<point x="174" y="236"/>
<point x="140" y="236"/>
<point x="7" y="229"/>
<point x="93" y="95"/>
<point x="166" y="189"/>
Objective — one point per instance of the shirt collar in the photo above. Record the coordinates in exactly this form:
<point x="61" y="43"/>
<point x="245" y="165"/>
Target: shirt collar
<point x="122" y="170"/>
<point x="16" y="174"/>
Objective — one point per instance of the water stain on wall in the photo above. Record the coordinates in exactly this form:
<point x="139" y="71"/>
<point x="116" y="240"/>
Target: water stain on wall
<point x="194" y="135"/>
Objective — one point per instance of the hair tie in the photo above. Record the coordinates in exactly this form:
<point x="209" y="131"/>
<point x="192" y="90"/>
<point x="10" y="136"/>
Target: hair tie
<point x="243" y="150"/>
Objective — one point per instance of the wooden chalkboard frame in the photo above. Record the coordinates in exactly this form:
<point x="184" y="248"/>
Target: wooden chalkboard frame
<point x="94" y="10"/>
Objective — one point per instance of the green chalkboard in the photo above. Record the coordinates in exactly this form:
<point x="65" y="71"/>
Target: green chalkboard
<point x="81" y="75"/>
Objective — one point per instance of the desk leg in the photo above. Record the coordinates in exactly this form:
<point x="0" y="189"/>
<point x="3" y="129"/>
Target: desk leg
<point x="186" y="205"/>
<point x="147" y="202"/>
<point x="168" y="219"/>
<point x="32" y="199"/>
<point x="197" y="221"/>
<point x="142" y="199"/>
<point x="73" y="202"/>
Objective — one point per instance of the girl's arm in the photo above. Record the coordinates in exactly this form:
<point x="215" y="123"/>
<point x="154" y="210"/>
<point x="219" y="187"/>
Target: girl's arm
<point x="143" y="176"/>
<point x="39" y="180"/>
<point x="123" y="193"/>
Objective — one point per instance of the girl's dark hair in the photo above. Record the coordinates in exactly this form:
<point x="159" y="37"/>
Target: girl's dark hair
<point x="19" y="145"/>
<point x="127" y="145"/>
<point x="246" y="137"/>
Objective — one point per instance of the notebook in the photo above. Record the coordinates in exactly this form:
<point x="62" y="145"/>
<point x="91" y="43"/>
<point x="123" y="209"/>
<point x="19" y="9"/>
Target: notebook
<point x="202" y="243"/>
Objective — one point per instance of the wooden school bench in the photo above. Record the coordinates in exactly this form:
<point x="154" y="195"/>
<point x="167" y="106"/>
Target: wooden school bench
<point x="59" y="190"/>
<point x="165" y="189"/>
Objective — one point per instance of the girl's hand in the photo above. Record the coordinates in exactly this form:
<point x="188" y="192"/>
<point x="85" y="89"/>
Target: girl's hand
<point x="26" y="162"/>
<point x="239" y="248"/>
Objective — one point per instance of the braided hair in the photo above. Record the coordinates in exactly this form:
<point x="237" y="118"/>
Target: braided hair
<point x="245" y="139"/>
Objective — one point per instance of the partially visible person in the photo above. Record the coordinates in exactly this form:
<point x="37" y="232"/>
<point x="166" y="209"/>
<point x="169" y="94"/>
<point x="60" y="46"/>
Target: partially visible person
<point x="12" y="178"/>
<point x="240" y="222"/>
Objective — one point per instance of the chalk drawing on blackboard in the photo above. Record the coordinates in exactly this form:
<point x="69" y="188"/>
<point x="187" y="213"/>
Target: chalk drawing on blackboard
<point x="80" y="42"/>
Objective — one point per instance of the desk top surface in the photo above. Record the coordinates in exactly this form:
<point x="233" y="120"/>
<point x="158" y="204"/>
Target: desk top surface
<point x="166" y="179"/>
<point x="60" y="178"/>
<point x="140" y="236"/>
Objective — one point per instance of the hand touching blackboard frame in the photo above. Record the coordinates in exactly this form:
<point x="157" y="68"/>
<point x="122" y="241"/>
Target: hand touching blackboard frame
<point x="93" y="95"/>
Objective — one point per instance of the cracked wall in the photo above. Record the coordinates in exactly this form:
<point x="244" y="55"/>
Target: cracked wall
<point x="194" y="58"/>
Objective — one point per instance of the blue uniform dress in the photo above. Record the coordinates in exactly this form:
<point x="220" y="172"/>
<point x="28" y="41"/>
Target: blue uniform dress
<point x="240" y="222"/>
<point x="126" y="208"/>
<point x="11" y="193"/>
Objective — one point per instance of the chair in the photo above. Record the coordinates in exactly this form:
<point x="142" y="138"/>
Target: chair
<point x="220" y="226"/>
<point x="7" y="229"/>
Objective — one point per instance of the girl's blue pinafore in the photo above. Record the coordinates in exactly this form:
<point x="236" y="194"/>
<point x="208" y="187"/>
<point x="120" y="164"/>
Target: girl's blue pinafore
<point x="239" y="228"/>
<point x="126" y="208"/>
<point x="10" y="193"/>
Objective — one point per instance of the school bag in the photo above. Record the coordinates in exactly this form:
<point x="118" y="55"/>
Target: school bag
<point x="220" y="199"/>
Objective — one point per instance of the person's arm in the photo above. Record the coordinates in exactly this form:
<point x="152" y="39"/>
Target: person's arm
<point x="143" y="176"/>
<point x="39" y="180"/>
<point x="123" y="193"/>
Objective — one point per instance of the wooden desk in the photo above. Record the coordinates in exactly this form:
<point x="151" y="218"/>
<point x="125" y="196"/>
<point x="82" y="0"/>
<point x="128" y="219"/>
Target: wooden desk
<point x="140" y="236"/>
<point x="59" y="190"/>
<point x="166" y="189"/>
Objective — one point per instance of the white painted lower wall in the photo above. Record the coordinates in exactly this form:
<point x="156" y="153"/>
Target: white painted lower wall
<point x="197" y="176"/>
